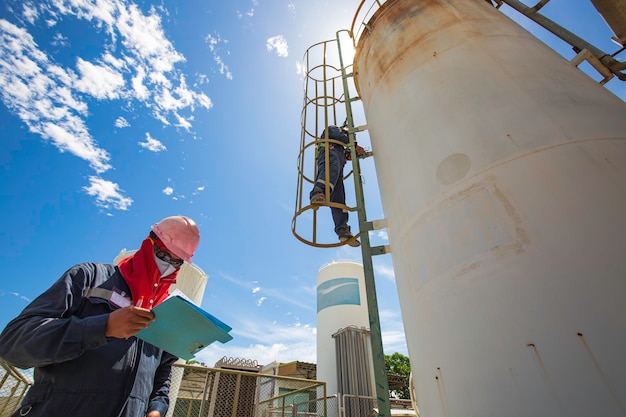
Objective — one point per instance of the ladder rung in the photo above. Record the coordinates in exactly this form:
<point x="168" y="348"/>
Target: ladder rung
<point x="376" y="224"/>
<point x="380" y="250"/>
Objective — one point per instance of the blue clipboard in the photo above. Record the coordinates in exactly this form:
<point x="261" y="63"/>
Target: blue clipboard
<point x="183" y="329"/>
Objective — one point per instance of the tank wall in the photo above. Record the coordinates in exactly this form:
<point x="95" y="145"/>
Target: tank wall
<point x="501" y="169"/>
<point x="191" y="280"/>
<point x="341" y="302"/>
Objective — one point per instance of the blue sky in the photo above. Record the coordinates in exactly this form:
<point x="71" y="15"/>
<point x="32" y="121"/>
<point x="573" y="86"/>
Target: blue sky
<point x="117" y="113"/>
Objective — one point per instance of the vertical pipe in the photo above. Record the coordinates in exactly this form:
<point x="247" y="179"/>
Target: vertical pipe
<point x="378" y="356"/>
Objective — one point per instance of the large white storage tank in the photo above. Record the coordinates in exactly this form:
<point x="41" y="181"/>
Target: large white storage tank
<point x="341" y="302"/>
<point x="502" y="173"/>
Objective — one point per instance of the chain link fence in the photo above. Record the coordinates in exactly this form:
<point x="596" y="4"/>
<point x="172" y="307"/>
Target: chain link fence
<point x="212" y="392"/>
<point x="13" y="387"/>
<point x="198" y="391"/>
<point x="209" y="392"/>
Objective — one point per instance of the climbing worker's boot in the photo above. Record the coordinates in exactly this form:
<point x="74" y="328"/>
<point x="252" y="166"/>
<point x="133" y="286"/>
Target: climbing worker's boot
<point x="318" y="197"/>
<point x="345" y="235"/>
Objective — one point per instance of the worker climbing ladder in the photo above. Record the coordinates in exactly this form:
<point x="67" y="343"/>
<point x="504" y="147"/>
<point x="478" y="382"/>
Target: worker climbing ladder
<point x="329" y="94"/>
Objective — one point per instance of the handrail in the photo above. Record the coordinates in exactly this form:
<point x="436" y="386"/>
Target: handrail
<point x="364" y="24"/>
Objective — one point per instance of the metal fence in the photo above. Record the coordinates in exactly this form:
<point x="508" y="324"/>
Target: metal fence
<point x="209" y="392"/>
<point x="13" y="387"/>
<point x="213" y="392"/>
<point x="198" y="391"/>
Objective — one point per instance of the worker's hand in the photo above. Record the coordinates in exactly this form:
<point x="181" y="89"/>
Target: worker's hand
<point x="360" y="151"/>
<point x="153" y="414"/>
<point x="128" y="321"/>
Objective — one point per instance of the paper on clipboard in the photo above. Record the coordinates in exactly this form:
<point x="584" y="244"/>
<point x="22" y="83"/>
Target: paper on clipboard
<point x="182" y="328"/>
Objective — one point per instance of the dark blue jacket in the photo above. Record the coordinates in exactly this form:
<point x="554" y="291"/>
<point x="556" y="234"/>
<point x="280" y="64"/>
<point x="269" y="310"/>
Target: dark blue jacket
<point x="79" y="371"/>
<point x="336" y="133"/>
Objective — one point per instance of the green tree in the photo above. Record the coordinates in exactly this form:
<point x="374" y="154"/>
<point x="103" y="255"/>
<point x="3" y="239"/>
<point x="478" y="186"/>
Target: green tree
<point x="398" y="364"/>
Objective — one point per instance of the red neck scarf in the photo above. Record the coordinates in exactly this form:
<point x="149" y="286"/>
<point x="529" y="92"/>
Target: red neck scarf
<point x="143" y="277"/>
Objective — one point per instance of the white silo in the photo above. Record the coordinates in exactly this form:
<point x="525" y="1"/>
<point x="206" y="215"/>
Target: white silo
<point x="502" y="171"/>
<point x="191" y="280"/>
<point x="341" y="303"/>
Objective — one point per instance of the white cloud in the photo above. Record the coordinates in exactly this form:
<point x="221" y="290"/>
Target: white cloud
<point x="107" y="193"/>
<point x="173" y="100"/>
<point x="16" y="294"/>
<point x="168" y="190"/>
<point x="223" y="68"/>
<point x="392" y="332"/>
<point x="198" y="190"/>
<point x="212" y="41"/>
<point x="138" y="62"/>
<point x="263" y="353"/>
<point x="183" y="122"/>
<point x="291" y="7"/>
<point x="120" y="122"/>
<point x="72" y="136"/>
<point x="300" y="69"/>
<point x="394" y="341"/>
<point x="260" y="301"/>
<point x="59" y="40"/>
<point x="99" y="81"/>
<point x="39" y="92"/>
<point x="214" y="48"/>
<point x="140" y="90"/>
<point x="278" y="294"/>
<point x="278" y="44"/>
<point x="114" y="61"/>
<point x="30" y="13"/>
<point x="152" y="144"/>
<point x="385" y="271"/>
<point x="270" y="342"/>
<point x="143" y="36"/>
<point x="248" y="13"/>
<point x="256" y="290"/>
<point x="202" y="78"/>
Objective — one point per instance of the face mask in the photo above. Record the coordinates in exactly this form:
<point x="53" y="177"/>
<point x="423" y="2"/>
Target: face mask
<point x="164" y="267"/>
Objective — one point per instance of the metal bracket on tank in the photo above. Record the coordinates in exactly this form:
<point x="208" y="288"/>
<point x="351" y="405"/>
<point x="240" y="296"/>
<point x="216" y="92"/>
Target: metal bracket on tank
<point x="586" y="55"/>
<point x="604" y="63"/>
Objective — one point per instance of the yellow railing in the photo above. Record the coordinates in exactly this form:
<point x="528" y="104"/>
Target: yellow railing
<point x="13" y="387"/>
<point x="362" y="17"/>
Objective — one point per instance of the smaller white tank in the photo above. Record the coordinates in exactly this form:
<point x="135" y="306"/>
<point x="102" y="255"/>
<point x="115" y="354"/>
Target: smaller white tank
<point x="341" y="302"/>
<point x="191" y="280"/>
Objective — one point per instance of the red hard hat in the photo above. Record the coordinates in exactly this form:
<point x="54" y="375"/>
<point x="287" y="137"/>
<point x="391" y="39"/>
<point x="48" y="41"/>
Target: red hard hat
<point x="180" y="235"/>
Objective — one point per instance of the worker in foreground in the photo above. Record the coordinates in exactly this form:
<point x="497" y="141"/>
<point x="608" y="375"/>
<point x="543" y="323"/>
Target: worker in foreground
<point x="79" y="334"/>
<point x="337" y="159"/>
